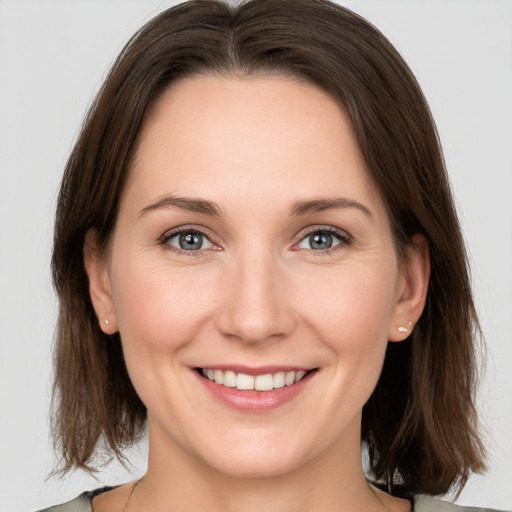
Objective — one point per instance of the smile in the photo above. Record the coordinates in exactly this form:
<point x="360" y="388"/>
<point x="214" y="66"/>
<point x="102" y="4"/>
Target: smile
<point x="255" y="390"/>
<point x="242" y="381"/>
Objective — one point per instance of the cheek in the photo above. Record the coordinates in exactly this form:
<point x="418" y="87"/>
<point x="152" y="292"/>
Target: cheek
<point x="160" y="313"/>
<point x="355" y="302"/>
<point x="159" y="309"/>
<point x="350" y="314"/>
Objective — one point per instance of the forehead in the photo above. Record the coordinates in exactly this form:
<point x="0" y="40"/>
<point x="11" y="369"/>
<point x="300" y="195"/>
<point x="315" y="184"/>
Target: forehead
<point x="252" y="135"/>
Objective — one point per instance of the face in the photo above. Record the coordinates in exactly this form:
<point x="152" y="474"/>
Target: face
<point x="251" y="251"/>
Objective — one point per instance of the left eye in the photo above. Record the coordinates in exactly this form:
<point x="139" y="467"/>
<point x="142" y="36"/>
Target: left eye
<point x="189" y="241"/>
<point x="321" y="241"/>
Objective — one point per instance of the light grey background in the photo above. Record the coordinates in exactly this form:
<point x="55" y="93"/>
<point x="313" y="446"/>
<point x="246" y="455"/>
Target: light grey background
<point x="53" y="56"/>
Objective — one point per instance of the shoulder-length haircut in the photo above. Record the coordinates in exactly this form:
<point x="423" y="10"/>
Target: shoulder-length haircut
<point x="420" y="424"/>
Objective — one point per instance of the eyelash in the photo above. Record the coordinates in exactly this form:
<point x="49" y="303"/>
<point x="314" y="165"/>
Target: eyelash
<point x="343" y="237"/>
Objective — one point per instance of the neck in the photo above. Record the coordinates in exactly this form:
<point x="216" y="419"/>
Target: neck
<point x="333" y="481"/>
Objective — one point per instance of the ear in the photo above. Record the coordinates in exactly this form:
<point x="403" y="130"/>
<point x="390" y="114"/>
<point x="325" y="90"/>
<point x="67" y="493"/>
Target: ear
<point x="99" y="283"/>
<point x="412" y="291"/>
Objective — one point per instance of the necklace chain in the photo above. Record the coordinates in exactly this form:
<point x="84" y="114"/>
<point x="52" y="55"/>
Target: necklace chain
<point x="126" y="505"/>
<point x="125" y="508"/>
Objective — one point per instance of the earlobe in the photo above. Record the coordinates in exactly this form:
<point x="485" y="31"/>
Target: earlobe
<point x="99" y="283"/>
<point x="413" y="295"/>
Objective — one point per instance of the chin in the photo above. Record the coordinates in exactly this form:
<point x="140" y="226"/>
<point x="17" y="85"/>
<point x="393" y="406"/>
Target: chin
<point x="257" y="466"/>
<point x="262" y="458"/>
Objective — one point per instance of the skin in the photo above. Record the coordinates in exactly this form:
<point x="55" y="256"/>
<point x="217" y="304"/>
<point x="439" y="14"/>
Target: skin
<point x="257" y="293"/>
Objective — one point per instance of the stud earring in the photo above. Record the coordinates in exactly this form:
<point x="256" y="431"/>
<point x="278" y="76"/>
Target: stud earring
<point x="405" y="329"/>
<point x="107" y="322"/>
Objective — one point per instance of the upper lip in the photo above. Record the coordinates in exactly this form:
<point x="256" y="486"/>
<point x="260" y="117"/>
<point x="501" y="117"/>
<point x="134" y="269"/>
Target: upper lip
<point x="256" y="370"/>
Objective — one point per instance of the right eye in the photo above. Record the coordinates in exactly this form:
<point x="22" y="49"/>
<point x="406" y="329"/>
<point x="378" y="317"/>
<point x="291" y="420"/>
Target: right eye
<point x="190" y="241"/>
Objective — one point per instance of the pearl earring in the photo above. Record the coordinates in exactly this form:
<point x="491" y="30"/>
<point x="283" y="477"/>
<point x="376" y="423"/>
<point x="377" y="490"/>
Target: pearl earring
<point x="107" y="322"/>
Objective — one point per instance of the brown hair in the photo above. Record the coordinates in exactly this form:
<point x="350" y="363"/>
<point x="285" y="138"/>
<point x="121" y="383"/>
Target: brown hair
<point x="420" y="423"/>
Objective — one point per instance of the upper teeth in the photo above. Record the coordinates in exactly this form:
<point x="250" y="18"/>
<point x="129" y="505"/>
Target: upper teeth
<point x="243" y="381"/>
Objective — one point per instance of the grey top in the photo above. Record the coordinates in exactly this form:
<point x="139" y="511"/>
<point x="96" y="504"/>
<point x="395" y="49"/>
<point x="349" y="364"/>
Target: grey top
<point x="421" y="504"/>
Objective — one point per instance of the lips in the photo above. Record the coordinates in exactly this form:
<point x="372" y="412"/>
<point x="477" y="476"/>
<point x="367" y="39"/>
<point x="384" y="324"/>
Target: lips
<point x="255" y="390"/>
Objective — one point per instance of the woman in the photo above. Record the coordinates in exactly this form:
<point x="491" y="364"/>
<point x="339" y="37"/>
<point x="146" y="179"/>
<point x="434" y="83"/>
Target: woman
<point x="256" y="253"/>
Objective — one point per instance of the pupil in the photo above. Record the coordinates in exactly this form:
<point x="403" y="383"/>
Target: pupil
<point x="191" y="241"/>
<point x="321" y="241"/>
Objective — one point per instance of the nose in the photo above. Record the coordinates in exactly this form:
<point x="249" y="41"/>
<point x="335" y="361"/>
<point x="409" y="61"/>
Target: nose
<point x="256" y="303"/>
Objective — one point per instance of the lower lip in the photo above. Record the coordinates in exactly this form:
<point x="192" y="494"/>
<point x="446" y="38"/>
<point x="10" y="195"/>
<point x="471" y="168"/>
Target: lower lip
<point x="255" y="401"/>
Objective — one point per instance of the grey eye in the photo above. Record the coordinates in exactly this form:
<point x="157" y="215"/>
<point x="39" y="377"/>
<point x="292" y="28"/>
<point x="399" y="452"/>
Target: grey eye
<point x="189" y="241"/>
<point x="320" y="241"/>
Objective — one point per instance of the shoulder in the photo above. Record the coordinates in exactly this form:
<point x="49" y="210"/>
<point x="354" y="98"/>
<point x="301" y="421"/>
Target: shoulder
<point x="428" y="504"/>
<point x="82" y="503"/>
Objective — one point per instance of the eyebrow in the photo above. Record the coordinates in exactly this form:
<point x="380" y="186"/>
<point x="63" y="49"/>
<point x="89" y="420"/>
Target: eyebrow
<point x="206" y="207"/>
<point x="195" y="205"/>
<point x="330" y="203"/>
